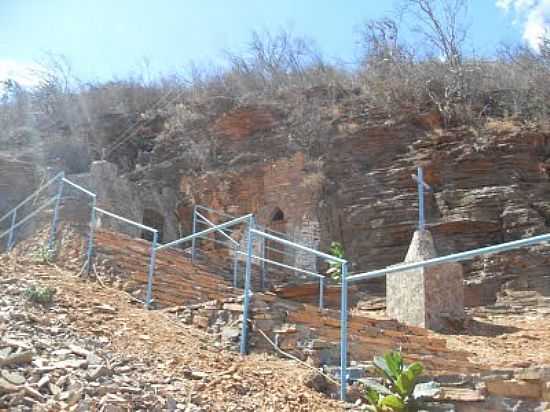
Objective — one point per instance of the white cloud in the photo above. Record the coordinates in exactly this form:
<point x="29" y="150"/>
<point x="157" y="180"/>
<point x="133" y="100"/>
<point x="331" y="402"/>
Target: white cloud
<point x="533" y="15"/>
<point x="22" y="73"/>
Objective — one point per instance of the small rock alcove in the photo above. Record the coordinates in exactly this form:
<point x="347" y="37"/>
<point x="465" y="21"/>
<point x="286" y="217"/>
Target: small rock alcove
<point x="277" y="223"/>
<point x="153" y="219"/>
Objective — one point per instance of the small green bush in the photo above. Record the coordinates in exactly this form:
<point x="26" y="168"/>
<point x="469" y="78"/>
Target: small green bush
<point x="44" y="256"/>
<point x="395" y="394"/>
<point x="39" y="294"/>
<point x="335" y="268"/>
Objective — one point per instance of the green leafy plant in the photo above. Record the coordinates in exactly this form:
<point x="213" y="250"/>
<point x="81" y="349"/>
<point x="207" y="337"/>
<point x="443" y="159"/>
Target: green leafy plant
<point x="395" y="393"/>
<point x="335" y="268"/>
<point x="39" y="294"/>
<point x="44" y="255"/>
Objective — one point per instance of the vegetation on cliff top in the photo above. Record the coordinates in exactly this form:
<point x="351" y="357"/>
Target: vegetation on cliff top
<point x="398" y="78"/>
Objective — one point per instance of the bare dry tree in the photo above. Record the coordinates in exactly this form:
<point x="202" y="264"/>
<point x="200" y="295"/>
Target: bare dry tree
<point x="379" y="38"/>
<point x="272" y="60"/>
<point x="441" y="23"/>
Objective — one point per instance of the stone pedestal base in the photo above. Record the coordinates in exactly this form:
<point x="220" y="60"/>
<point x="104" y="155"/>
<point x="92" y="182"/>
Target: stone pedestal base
<point x="429" y="297"/>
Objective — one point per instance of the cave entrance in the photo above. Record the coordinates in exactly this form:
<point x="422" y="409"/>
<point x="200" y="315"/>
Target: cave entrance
<point x="153" y="219"/>
<point x="277" y="223"/>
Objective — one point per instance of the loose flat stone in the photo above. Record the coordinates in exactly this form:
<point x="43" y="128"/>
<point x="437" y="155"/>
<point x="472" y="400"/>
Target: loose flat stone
<point x="54" y="389"/>
<point x="16" y="358"/>
<point x="43" y="381"/>
<point x="99" y="372"/>
<point x="105" y="309"/>
<point x="93" y="359"/>
<point x="7" y="387"/>
<point x="5" y="352"/>
<point x="13" y="377"/>
<point x="62" y="352"/>
<point x="71" y="364"/>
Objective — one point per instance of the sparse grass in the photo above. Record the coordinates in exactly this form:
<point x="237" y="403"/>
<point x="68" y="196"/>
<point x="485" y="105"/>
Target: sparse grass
<point x="39" y="294"/>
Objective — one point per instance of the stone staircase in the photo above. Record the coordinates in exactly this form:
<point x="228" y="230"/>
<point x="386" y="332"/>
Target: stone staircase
<point x="289" y="316"/>
<point x="176" y="282"/>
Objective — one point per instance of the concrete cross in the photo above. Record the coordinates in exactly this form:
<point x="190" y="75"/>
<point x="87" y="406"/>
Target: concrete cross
<point x="419" y="179"/>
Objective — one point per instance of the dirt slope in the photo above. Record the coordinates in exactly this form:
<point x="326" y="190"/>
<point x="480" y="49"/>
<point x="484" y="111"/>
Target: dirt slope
<point x="174" y="367"/>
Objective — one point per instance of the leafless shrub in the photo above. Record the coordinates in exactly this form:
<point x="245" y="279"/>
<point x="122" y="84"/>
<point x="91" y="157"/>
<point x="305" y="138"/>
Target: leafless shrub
<point x="276" y="63"/>
<point x="121" y="118"/>
<point x="462" y="88"/>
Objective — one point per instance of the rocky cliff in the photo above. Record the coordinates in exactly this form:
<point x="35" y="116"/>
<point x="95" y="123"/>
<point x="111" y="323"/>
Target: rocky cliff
<point x="340" y="170"/>
<point x="324" y="166"/>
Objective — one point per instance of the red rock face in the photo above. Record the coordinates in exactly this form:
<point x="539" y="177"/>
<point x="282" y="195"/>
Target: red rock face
<point x="259" y="189"/>
<point x="339" y="170"/>
<point x="488" y="188"/>
<point x="244" y="122"/>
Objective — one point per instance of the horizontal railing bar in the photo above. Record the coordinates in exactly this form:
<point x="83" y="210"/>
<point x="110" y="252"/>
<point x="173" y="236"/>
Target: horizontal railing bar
<point x="276" y="232"/>
<point x="295" y="269"/>
<point x="78" y="187"/>
<point x="7" y="215"/>
<point x="202" y="222"/>
<point x="40" y="208"/>
<point x="123" y="219"/>
<point x="219" y="231"/>
<point x="455" y="257"/>
<point x="221" y="242"/>
<point x="205" y="232"/>
<point x="298" y="246"/>
<point x="215" y="211"/>
<point x="33" y="195"/>
<point x="273" y="231"/>
<point x="280" y="251"/>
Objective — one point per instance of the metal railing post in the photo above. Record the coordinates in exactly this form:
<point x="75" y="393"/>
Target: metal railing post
<point x="247" y="281"/>
<point x="90" y="247"/>
<point x="53" y="231"/>
<point x="193" y="242"/>
<point x="149" y="298"/>
<point x="344" y="332"/>
<point x="235" y="268"/>
<point x="11" y="236"/>
<point x="421" y="217"/>
<point x="321" y="292"/>
<point x="263" y="266"/>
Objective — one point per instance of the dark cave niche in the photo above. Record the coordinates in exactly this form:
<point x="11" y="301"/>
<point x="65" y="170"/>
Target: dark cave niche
<point x="153" y="219"/>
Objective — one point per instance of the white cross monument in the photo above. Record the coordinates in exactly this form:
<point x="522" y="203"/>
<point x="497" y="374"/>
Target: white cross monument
<point x="419" y="179"/>
<point x="430" y="296"/>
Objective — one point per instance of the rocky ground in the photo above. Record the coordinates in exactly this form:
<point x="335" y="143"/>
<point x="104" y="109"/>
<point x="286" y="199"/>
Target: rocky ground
<point x="94" y="348"/>
<point x="499" y="341"/>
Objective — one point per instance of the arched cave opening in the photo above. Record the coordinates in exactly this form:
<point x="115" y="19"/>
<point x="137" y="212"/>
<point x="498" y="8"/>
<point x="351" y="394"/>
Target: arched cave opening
<point x="277" y="215"/>
<point x="277" y="223"/>
<point x="153" y="219"/>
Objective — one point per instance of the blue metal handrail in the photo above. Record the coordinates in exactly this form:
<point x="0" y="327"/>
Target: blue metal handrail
<point x="208" y="222"/>
<point x="322" y="255"/>
<point x="455" y="257"/>
<point x="13" y="212"/>
<point x="125" y="220"/>
<point x="293" y="268"/>
<point x="199" y="218"/>
<point x="205" y="232"/>
<point x="207" y="209"/>
<point x="26" y="218"/>
<point x="152" y="258"/>
<point x="33" y="195"/>
<point x="254" y="230"/>
<point x="78" y="187"/>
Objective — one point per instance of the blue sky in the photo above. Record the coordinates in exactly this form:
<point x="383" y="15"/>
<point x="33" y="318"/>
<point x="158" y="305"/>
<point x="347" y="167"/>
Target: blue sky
<point x="109" y="38"/>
